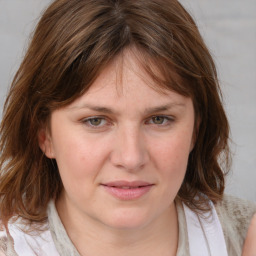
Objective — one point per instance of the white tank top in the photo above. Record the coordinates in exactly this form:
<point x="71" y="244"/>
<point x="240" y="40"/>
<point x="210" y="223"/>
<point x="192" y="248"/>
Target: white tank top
<point x="205" y="234"/>
<point x="205" y="237"/>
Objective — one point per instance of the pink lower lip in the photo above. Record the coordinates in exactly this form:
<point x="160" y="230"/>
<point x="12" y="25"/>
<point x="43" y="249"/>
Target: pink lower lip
<point x="128" y="193"/>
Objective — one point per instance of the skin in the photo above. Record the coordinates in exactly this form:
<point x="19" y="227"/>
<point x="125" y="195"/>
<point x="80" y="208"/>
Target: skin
<point x="250" y="242"/>
<point x="121" y="129"/>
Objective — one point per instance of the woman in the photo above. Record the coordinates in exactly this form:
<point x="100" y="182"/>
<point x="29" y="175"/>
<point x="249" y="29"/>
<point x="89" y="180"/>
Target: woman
<point x="112" y="137"/>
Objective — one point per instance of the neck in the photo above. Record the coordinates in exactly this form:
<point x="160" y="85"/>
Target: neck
<point x="160" y="237"/>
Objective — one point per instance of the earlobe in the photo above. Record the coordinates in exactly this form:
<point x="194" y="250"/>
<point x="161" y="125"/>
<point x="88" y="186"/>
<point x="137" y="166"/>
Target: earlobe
<point x="45" y="143"/>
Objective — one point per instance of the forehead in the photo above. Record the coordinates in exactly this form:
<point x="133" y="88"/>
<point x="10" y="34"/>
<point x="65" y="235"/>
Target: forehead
<point x="125" y="81"/>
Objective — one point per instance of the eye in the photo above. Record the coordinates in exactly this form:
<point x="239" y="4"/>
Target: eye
<point x="95" y="121"/>
<point x="160" y="120"/>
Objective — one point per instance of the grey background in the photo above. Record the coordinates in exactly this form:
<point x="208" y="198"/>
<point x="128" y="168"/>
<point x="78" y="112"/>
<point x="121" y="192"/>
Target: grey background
<point x="229" y="28"/>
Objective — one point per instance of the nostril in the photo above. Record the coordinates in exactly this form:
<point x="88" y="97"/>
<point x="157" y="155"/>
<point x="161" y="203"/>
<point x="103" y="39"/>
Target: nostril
<point x="129" y="151"/>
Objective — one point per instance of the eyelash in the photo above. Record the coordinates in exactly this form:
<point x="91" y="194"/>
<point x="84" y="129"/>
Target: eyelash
<point x="167" y="120"/>
<point x="88" y="121"/>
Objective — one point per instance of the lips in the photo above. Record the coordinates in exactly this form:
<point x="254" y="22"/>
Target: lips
<point x="127" y="184"/>
<point x="125" y="190"/>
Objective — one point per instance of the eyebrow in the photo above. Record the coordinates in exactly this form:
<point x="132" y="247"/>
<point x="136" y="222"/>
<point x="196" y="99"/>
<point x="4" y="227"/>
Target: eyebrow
<point x="95" y="108"/>
<point x="107" y="110"/>
<point x="163" y="108"/>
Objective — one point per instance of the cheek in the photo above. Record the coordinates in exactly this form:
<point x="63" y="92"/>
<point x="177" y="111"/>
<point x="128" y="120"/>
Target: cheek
<point x="78" y="157"/>
<point x="174" y="150"/>
<point x="171" y="164"/>
<point x="77" y="167"/>
<point x="171" y="157"/>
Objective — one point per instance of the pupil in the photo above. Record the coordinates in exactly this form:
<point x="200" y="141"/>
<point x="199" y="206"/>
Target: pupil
<point x="158" y="120"/>
<point x="96" y="121"/>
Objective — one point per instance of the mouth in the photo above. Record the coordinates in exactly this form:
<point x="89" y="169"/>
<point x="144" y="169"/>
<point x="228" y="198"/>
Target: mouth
<point x="125" y="190"/>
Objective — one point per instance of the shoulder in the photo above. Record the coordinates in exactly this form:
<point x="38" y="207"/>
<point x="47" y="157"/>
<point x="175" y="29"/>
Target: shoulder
<point x="235" y="215"/>
<point x="26" y="239"/>
<point x="3" y="243"/>
<point x="6" y="243"/>
<point x="235" y="210"/>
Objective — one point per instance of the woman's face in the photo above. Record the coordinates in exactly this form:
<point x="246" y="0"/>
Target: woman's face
<point x="121" y="148"/>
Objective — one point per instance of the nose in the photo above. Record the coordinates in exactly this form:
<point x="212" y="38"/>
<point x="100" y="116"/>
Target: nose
<point x="129" y="149"/>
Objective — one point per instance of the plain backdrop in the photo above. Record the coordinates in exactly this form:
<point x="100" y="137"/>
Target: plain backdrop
<point x="229" y="29"/>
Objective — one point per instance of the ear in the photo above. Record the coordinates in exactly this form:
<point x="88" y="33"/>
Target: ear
<point x="45" y="142"/>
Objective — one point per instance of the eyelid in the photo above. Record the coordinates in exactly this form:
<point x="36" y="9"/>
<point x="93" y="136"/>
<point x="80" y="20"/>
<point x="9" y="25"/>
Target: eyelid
<point x="169" y="119"/>
<point x="87" y="120"/>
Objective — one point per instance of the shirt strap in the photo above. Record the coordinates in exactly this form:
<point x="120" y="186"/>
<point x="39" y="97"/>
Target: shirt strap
<point x="205" y="233"/>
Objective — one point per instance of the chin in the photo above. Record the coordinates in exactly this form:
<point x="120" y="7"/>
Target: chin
<point x="127" y="219"/>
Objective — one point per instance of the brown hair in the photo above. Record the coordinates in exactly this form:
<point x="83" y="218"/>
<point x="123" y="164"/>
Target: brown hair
<point x="73" y="42"/>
